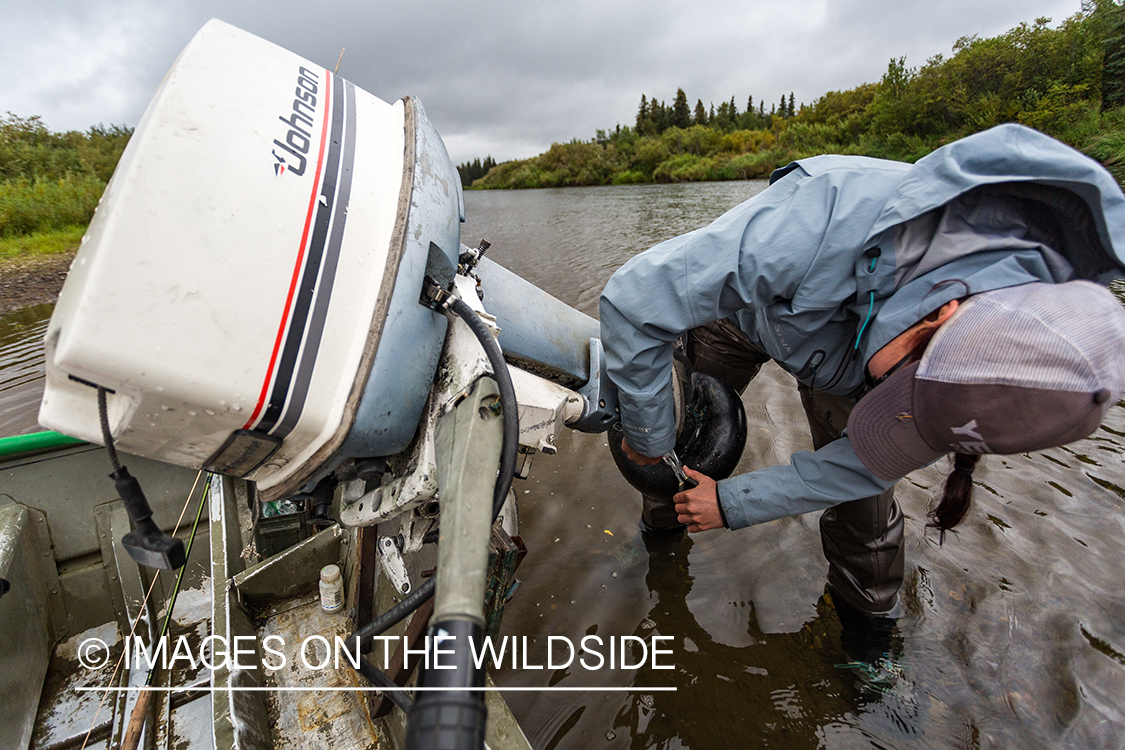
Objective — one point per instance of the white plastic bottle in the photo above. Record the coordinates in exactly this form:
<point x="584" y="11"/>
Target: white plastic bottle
<point x="331" y="589"/>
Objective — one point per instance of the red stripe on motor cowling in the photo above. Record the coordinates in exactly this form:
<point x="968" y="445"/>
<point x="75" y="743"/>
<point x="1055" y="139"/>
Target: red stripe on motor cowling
<point x="300" y="253"/>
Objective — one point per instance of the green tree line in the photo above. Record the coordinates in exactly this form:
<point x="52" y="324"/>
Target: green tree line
<point x="53" y="181"/>
<point x="1068" y="82"/>
<point x="475" y="169"/>
<point x="654" y="116"/>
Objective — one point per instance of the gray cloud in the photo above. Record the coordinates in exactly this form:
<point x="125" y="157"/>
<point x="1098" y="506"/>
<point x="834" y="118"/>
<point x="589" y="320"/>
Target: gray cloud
<point x="503" y="78"/>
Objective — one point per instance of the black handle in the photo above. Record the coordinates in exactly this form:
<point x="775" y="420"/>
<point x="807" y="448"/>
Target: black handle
<point x="146" y="543"/>
<point x="452" y="719"/>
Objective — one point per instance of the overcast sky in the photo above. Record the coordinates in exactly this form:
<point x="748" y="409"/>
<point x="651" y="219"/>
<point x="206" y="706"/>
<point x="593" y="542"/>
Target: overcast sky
<point x="500" y="78"/>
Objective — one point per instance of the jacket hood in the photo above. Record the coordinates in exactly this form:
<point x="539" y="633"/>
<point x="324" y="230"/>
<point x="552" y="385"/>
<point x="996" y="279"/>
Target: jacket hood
<point x="1000" y="208"/>
<point x="1012" y="154"/>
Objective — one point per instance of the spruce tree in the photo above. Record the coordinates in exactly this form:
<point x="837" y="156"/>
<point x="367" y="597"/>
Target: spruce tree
<point x="642" y="114"/>
<point x="700" y="113"/>
<point x="723" y="119"/>
<point x="474" y="170"/>
<point x="658" y="116"/>
<point x="680" y="116"/>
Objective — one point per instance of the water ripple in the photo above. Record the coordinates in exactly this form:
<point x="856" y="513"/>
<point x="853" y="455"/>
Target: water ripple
<point x="21" y="368"/>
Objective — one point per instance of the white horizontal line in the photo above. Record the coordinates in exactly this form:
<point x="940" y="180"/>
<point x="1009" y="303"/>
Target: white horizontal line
<point x="374" y="689"/>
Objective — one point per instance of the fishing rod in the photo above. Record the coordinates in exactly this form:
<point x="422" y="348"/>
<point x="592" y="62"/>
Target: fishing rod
<point x="140" y="711"/>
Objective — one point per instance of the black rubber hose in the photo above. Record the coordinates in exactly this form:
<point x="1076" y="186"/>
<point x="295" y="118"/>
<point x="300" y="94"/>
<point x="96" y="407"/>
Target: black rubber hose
<point x="508" y="455"/>
<point x="395" y="614"/>
<point x="378" y="678"/>
<point x="510" y="444"/>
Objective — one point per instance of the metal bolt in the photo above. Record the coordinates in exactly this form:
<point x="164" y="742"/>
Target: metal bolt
<point x="601" y="403"/>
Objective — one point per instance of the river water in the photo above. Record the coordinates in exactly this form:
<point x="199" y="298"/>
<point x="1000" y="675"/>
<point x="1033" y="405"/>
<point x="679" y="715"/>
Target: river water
<point x="1012" y="633"/>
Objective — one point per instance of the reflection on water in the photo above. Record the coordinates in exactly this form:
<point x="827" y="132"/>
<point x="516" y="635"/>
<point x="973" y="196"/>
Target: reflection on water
<point x="21" y="368"/>
<point x="1012" y="634"/>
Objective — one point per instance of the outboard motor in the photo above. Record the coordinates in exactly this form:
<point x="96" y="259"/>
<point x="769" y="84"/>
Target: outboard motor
<point x="232" y="293"/>
<point x="274" y="288"/>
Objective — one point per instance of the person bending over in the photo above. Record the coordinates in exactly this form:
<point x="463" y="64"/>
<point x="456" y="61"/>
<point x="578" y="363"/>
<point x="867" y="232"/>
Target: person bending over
<point x="957" y="305"/>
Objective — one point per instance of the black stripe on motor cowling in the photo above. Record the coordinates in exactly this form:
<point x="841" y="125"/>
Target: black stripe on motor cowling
<point x="307" y="286"/>
<point x="327" y="273"/>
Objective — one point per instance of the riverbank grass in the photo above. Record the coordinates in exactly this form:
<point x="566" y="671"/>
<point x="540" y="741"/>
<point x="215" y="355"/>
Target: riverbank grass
<point x="25" y="247"/>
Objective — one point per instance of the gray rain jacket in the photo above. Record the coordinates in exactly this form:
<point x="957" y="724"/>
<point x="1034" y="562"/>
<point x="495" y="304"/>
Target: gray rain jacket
<point x="837" y="257"/>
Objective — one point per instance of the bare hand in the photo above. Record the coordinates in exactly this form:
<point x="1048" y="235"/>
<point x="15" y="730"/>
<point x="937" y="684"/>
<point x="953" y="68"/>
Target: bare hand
<point x="637" y="458"/>
<point x="699" y="506"/>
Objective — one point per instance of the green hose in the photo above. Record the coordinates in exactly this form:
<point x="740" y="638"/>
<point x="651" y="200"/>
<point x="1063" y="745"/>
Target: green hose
<point x="36" y="442"/>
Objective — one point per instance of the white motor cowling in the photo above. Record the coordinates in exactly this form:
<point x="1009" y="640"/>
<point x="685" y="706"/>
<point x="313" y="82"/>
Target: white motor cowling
<point x="247" y="292"/>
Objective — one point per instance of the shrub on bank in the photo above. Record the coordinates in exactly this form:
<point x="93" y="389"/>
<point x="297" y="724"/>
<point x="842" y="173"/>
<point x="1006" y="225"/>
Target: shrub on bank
<point x="44" y="205"/>
<point x="1106" y="142"/>
<point x="50" y="183"/>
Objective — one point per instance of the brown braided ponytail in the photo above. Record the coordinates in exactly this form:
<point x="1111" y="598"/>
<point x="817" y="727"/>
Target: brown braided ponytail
<point x="957" y="495"/>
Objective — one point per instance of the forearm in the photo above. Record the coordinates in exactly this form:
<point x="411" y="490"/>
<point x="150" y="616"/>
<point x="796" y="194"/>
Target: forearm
<point x="812" y="481"/>
<point x="649" y="421"/>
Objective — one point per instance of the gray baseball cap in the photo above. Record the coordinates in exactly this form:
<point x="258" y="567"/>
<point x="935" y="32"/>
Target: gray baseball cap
<point x="1013" y="370"/>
